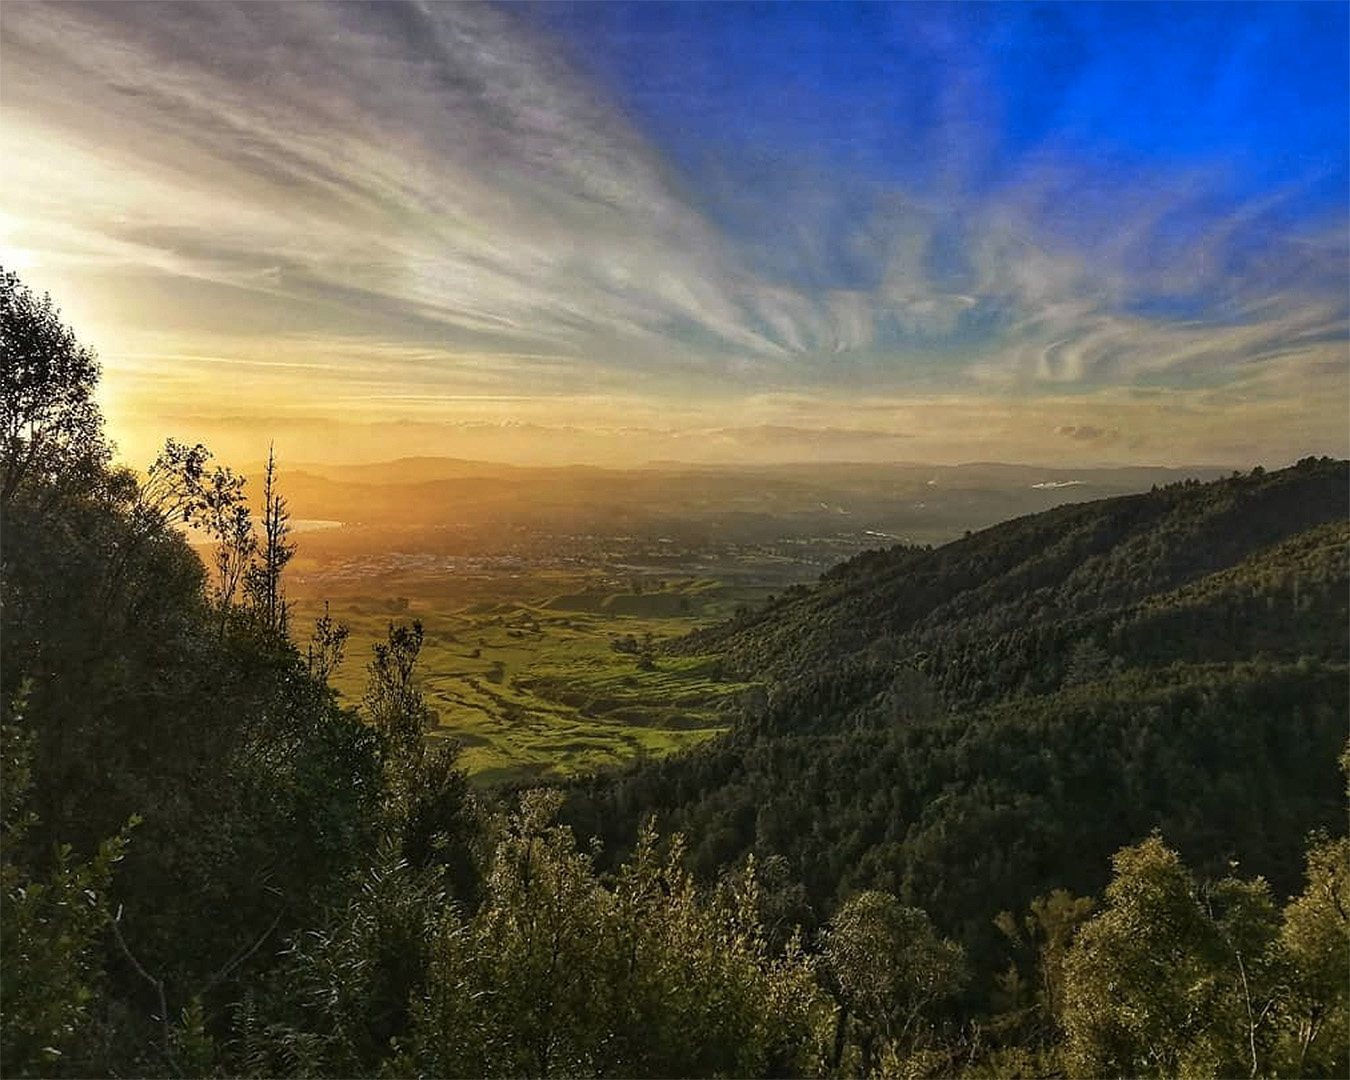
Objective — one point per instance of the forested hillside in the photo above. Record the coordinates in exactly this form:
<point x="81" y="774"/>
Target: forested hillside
<point x="975" y="726"/>
<point x="1098" y="663"/>
<point x="1074" y="568"/>
<point x="208" y="867"/>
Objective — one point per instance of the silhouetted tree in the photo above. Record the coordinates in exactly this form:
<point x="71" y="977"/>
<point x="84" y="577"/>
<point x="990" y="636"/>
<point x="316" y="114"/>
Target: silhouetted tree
<point x="262" y="581"/>
<point x="180" y="489"/>
<point x="50" y="427"/>
<point x="327" y="645"/>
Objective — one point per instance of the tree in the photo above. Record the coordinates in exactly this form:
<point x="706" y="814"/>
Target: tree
<point x="1139" y="991"/>
<point x="327" y="645"/>
<point x="560" y="973"/>
<point x="429" y="805"/>
<point x="393" y="700"/>
<point x="1045" y="933"/>
<point x="1315" y="937"/>
<point x="343" y="988"/>
<point x="1250" y="972"/>
<point x="180" y="490"/>
<point x="1088" y="662"/>
<point x="1171" y="979"/>
<point x="50" y="427"/>
<point x="52" y="921"/>
<point x="1174" y="979"/>
<point x="263" y="580"/>
<point x="887" y="967"/>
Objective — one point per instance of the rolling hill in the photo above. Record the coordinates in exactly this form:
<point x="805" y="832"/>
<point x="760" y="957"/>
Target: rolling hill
<point x="974" y="725"/>
<point x="746" y="503"/>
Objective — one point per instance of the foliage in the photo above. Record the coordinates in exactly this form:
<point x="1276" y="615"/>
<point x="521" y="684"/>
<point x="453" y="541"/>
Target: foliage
<point x="557" y="974"/>
<point x="887" y="967"/>
<point x="1173" y="979"/>
<point x="393" y="700"/>
<point x="144" y="696"/>
<point x="327" y="646"/>
<point x="50" y="427"/>
<point x="1141" y="981"/>
<point x="428" y="804"/>
<point x="1030" y="993"/>
<point x="262" y="579"/>
<point x="52" y="919"/>
<point x="1315" y="939"/>
<point x="967" y="815"/>
<point x="342" y="989"/>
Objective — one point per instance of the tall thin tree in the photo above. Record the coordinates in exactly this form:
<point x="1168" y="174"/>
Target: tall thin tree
<point x="264" y="584"/>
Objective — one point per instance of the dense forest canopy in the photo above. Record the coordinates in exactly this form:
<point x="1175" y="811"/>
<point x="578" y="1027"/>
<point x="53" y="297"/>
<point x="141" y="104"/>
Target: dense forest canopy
<point x="976" y="725"/>
<point x="1061" y="798"/>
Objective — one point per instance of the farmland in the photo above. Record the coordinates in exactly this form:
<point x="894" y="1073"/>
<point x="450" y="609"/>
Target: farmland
<point x="526" y="578"/>
<point x="561" y="683"/>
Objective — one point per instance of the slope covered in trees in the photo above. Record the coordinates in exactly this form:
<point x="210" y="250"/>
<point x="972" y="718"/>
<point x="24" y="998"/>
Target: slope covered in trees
<point x="976" y="725"/>
<point x="1086" y="560"/>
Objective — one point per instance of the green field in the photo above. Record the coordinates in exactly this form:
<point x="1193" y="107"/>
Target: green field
<point x="538" y="688"/>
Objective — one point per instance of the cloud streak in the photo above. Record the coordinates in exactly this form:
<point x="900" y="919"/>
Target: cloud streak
<point x="433" y="203"/>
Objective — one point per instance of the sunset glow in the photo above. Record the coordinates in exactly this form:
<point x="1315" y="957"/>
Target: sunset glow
<point x="616" y="233"/>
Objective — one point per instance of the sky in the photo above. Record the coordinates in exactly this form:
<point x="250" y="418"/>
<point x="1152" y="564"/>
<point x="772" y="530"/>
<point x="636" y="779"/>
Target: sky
<point x="1065" y="234"/>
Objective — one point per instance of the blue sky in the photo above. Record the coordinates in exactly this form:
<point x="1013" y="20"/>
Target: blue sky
<point x="1055" y="232"/>
<point x="952" y="102"/>
<point x="863" y="85"/>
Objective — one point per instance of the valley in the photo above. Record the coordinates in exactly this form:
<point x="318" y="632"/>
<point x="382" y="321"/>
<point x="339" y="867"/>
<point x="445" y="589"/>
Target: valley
<point x="543" y="688"/>
<point x="547" y="595"/>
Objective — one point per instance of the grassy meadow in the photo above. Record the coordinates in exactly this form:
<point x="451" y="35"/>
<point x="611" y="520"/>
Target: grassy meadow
<point x="552" y="685"/>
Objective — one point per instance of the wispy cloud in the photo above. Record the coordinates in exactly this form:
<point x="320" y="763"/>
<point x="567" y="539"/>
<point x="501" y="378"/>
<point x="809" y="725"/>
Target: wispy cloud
<point x="429" y="204"/>
<point x="422" y="161"/>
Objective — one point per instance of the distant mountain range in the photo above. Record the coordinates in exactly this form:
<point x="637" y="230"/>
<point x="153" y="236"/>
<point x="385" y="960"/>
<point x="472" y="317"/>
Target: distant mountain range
<point x="916" y="502"/>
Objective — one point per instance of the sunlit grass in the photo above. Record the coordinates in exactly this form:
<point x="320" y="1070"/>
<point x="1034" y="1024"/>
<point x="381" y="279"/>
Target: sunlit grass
<point x="537" y="689"/>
